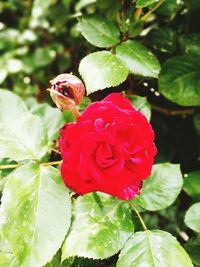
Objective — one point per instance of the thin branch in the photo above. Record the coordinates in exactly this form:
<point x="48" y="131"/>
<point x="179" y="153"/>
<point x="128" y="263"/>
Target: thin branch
<point x="13" y="166"/>
<point x="148" y="14"/>
<point x="138" y="214"/>
<point x="56" y="151"/>
<point x="169" y="112"/>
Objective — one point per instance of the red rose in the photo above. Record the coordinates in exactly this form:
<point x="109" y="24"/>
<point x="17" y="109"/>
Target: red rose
<point x="109" y="149"/>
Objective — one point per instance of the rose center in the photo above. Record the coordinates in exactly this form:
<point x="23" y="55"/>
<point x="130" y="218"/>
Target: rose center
<point x="104" y="155"/>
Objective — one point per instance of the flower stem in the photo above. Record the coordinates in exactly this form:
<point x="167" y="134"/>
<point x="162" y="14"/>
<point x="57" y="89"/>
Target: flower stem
<point x="76" y="112"/>
<point x="9" y="166"/>
<point x="138" y="214"/>
<point x="51" y="163"/>
<point x="148" y="14"/>
<point x="13" y="166"/>
<point x="56" y="151"/>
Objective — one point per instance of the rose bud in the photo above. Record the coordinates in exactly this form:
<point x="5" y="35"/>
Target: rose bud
<point x="67" y="91"/>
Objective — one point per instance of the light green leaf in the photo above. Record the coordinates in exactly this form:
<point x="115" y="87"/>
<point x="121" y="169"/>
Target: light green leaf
<point x="139" y="59"/>
<point x="141" y="104"/>
<point x="153" y="249"/>
<point x="145" y="3"/>
<point x="179" y="80"/>
<point x="162" y="188"/>
<point x="192" y="217"/>
<point x="98" y="30"/>
<point x="190" y="43"/>
<point x="7" y="259"/>
<point x="83" y="3"/>
<point x="35" y="214"/>
<point x="52" y="118"/>
<point x="102" y="69"/>
<point x="192" y="184"/>
<point x="101" y="226"/>
<point x="22" y="135"/>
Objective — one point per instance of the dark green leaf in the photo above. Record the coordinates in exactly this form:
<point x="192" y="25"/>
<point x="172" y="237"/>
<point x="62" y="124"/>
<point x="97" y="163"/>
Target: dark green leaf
<point x="192" y="4"/>
<point x="162" y="39"/>
<point x="179" y="80"/>
<point x="190" y="43"/>
<point x="169" y="8"/>
<point x="193" y="247"/>
<point x="192" y="184"/>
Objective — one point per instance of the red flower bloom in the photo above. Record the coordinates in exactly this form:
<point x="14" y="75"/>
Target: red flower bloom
<point x="109" y="149"/>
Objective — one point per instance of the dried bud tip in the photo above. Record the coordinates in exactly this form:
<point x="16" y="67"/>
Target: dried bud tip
<point x="67" y="91"/>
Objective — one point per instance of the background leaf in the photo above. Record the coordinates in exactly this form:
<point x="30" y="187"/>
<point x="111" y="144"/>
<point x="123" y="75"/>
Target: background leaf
<point x="193" y="247"/>
<point x="192" y="217"/>
<point x="139" y="59"/>
<point x="161" y="188"/>
<point x="192" y="184"/>
<point x="179" y="80"/>
<point x="101" y="225"/>
<point x="98" y="31"/>
<point x="22" y="135"/>
<point x="102" y="69"/>
<point x="35" y="214"/>
<point x="153" y="249"/>
<point x="52" y="118"/>
<point x="141" y="104"/>
<point x="190" y="43"/>
<point x="144" y="3"/>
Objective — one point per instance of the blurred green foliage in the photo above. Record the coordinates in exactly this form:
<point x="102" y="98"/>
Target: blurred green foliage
<point x="42" y="38"/>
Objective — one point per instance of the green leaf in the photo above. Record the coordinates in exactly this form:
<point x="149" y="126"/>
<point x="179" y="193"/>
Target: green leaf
<point x="22" y="135"/>
<point x="190" y="43"/>
<point x="192" y="184"/>
<point x="52" y="118"/>
<point x="192" y="217"/>
<point x="169" y="8"/>
<point x="193" y="247"/>
<point x="141" y="104"/>
<point x="153" y="249"/>
<point x="83" y="3"/>
<point x="162" y="39"/>
<point x="179" y="80"/>
<point x="98" y="31"/>
<point x="139" y="59"/>
<point x="162" y="188"/>
<point x="7" y="259"/>
<point x="102" y="69"/>
<point x="101" y="225"/>
<point x="35" y="214"/>
<point x="145" y="3"/>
